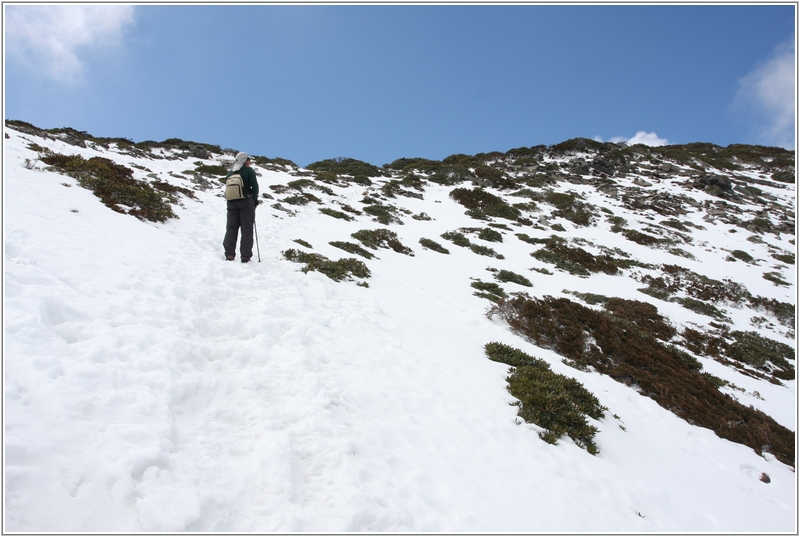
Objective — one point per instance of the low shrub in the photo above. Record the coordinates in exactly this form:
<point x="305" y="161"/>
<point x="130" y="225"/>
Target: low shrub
<point x="339" y="270"/>
<point x="352" y="248"/>
<point x="381" y="238"/>
<point x="384" y="214"/>
<point x="346" y="166"/>
<point x="508" y="276"/>
<point x="488" y="290"/>
<point x="336" y="214"/>
<point x="613" y="347"/>
<point x="490" y="235"/>
<point x="756" y="350"/>
<point x="776" y="278"/>
<point x="558" y="403"/>
<point x="456" y="238"/>
<point x="643" y="238"/>
<point x="787" y="258"/>
<point x="433" y="245"/>
<point x="482" y="203"/>
<point x="207" y="169"/>
<point x="301" y="242"/>
<point x="485" y="250"/>
<point x="115" y="186"/>
<point x="576" y="261"/>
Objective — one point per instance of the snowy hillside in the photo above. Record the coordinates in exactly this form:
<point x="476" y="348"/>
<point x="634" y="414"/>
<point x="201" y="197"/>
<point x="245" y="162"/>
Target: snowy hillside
<point x="149" y="385"/>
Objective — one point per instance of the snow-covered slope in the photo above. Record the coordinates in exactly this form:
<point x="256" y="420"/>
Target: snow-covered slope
<point x="149" y="385"/>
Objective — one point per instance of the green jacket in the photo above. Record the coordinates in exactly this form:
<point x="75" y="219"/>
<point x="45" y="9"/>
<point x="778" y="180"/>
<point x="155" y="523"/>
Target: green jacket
<point x="249" y="180"/>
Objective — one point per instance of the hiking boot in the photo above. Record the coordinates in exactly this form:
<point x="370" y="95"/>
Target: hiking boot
<point x="230" y="257"/>
<point x="245" y="259"/>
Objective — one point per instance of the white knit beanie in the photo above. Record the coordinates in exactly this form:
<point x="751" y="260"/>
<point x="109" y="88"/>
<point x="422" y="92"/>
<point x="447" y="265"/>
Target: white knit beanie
<point x="241" y="158"/>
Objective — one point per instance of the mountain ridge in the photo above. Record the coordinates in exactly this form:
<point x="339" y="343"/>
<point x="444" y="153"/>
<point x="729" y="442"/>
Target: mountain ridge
<point x="660" y="227"/>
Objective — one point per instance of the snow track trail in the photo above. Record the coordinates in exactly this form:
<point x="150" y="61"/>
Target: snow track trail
<point x="149" y="385"/>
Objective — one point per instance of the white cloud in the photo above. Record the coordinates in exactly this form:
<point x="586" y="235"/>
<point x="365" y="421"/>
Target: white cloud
<point x="647" y="138"/>
<point x="51" y="38"/>
<point x="641" y="137"/>
<point x="767" y="97"/>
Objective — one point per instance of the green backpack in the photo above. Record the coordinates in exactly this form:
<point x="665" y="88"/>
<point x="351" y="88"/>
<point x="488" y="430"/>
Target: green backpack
<point x="234" y="187"/>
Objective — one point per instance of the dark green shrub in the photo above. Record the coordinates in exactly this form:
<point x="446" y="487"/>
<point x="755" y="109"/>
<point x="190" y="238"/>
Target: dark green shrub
<point x="508" y="276"/>
<point x="488" y="290"/>
<point x="301" y="242"/>
<point x="433" y="245"/>
<point x="555" y="402"/>
<point x="478" y="201"/>
<point x="576" y="261"/>
<point x="381" y="238"/>
<point x="634" y="357"/>
<point x="485" y="250"/>
<point x="346" y="166"/>
<point x="490" y="235"/>
<point x="756" y="350"/>
<point x="114" y="185"/>
<point x="643" y="238"/>
<point x="362" y="180"/>
<point x="335" y="270"/>
<point x="384" y="214"/>
<point x="211" y="170"/>
<point x="352" y="248"/>
<point x="776" y="278"/>
<point x="703" y="308"/>
<point x="787" y="258"/>
<point x="451" y="175"/>
<point x="456" y="238"/>
<point x="783" y="311"/>
<point x="336" y="214"/>
<point x="299" y="199"/>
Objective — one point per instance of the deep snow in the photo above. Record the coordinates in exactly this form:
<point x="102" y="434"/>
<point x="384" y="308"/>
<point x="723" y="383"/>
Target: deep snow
<point x="151" y="386"/>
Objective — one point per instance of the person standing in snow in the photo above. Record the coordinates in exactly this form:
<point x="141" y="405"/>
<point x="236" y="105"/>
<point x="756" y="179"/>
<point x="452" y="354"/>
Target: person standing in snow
<point x="242" y="213"/>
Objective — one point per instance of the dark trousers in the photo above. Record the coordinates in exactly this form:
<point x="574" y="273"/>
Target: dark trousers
<point x="241" y="214"/>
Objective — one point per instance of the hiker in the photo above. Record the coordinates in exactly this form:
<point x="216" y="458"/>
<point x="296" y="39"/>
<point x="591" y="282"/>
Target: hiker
<point x="242" y="212"/>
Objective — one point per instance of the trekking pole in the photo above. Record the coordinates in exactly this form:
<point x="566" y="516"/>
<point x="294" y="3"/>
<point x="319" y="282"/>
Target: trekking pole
<point x="255" y="227"/>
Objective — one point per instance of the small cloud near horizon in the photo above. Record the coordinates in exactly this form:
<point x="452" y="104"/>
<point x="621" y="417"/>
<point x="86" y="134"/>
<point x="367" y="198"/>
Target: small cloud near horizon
<point x="51" y="38"/>
<point x="641" y="137"/>
<point x="766" y="97"/>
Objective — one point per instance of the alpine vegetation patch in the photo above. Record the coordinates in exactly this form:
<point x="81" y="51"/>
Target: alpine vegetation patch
<point x="433" y="245"/>
<point x="459" y="239"/>
<point x="336" y="214"/>
<point x="488" y="290"/>
<point x="481" y="204"/>
<point x="352" y="248"/>
<point x="557" y="403"/>
<point x="629" y="345"/>
<point x="337" y="271"/>
<point x="115" y="186"/>
<point x="508" y="276"/>
<point x="381" y="238"/>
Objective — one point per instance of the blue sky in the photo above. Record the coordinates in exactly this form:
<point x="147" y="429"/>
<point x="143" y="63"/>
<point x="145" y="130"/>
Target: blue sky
<point x="383" y="82"/>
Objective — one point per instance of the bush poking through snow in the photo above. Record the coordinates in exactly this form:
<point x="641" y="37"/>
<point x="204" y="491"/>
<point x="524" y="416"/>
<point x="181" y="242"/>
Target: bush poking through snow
<point x="482" y="204"/>
<point x="381" y="238"/>
<point x="508" y="276"/>
<point x="433" y="245"/>
<point x="489" y="290"/>
<point x="351" y="248"/>
<point x="115" y="186"/>
<point x="556" y="402"/>
<point x="335" y="270"/>
<point x="625" y="345"/>
<point x="336" y="214"/>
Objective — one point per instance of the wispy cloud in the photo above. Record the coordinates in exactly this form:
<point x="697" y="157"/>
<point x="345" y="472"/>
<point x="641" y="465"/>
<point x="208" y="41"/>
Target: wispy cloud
<point x="641" y="137"/>
<point x="766" y="97"/>
<point x="51" y="38"/>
